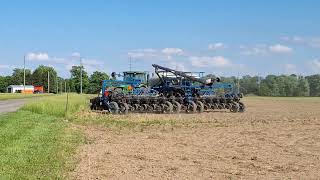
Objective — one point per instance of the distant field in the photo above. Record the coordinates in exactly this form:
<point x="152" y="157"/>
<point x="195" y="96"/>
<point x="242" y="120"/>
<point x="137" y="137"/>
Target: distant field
<point x="261" y="98"/>
<point x="5" y="96"/>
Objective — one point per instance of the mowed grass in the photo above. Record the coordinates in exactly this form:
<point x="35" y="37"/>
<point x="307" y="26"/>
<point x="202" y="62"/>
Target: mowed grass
<point x="37" y="141"/>
<point x="6" y="96"/>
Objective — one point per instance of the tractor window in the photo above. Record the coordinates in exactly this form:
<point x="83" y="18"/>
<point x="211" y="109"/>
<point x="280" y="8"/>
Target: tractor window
<point x="135" y="76"/>
<point x="140" y="77"/>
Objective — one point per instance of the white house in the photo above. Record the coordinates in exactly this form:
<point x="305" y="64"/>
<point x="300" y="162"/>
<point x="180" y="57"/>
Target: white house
<point x="20" y="89"/>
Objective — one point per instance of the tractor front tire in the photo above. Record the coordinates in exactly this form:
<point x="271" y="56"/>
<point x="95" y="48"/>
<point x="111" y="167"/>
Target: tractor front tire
<point x="113" y="108"/>
<point x="123" y="108"/>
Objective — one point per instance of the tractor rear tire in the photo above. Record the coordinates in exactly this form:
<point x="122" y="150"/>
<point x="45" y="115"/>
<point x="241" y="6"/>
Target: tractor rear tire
<point x="93" y="107"/>
<point x="95" y="103"/>
<point x="234" y="107"/>
<point x="242" y="107"/>
<point x="200" y="107"/>
<point x="123" y="108"/>
<point x="113" y="107"/>
<point x="176" y="107"/>
<point x="168" y="107"/>
<point x="191" y="107"/>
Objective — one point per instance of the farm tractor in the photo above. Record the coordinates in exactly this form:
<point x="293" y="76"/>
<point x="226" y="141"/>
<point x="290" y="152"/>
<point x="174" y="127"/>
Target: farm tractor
<point x="173" y="92"/>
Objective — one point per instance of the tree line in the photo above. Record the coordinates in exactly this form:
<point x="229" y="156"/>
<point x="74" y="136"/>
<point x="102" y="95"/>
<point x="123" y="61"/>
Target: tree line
<point x="271" y="85"/>
<point x="39" y="77"/>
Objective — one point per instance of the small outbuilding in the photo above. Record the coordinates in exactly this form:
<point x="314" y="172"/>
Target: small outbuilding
<point x="28" y="89"/>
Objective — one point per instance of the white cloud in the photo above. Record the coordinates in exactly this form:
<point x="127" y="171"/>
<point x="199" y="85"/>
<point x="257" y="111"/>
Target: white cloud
<point x="260" y="49"/>
<point x="172" y="51"/>
<point x="45" y="58"/>
<point x="256" y="50"/>
<point x="151" y="54"/>
<point x="136" y="54"/>
<point x="264" y="49"/>
<point x="149" y="50"/>
<point x="296" y="39"/>
<point x="206" y="61"/>
<point x="143" y="53"/>
<point x="216" y="46"/>
<point x="89" y="64"/>
<point x="167" y="56"/>
<point x="37" y="56"/>
<point x="281" y="49"/>
<point x="313" y="42"/>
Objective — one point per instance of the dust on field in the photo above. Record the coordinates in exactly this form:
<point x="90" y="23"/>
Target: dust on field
<point x="273" y="139"/>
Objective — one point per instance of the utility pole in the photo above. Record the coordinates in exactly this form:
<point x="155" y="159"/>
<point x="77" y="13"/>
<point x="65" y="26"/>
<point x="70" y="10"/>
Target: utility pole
<point x="80" y="75"/>
<point x="57" y="89"/>
<point x="65" y="86"/>
<point x="48" y="82"/>
<point x="24" y="74"/>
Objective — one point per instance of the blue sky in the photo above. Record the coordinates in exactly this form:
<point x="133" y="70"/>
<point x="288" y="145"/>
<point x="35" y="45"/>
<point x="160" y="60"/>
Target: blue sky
<point x="221" y="37"/>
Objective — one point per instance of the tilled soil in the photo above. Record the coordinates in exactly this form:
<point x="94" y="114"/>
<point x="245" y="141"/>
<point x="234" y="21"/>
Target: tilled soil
<point x="274" y="139"/>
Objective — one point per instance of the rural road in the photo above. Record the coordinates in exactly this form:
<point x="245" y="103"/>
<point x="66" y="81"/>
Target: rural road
<point x="11" y="105"/>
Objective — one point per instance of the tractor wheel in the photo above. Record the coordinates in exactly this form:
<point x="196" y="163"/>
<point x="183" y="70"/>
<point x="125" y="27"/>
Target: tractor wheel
<point x="141" y="109"/>
<point x="234" y="108"/>
<point x="200" y="107"/>
<point x="123" y="108"/>
<point x="242" y="107"/>
<point x="191" y="107"/>
<point x="146" y="108"/>
<point x="167" y="107"/>
<point x="176" y="107"/>
<point x="220" y="106"/>
<point x="113" y="108"/>
<point x="135" y="107"/>
<point x="93" y="107"/>
<point x="131" y="108"/>
<point x="94" y="104"/>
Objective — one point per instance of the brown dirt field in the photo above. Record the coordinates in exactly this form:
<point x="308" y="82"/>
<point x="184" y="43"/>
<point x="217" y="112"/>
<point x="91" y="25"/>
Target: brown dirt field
<point x="274" y="139"/>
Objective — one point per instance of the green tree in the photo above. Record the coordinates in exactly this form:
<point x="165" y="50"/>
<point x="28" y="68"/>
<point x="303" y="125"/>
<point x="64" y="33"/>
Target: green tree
<point x="75" y="78"/>
<point x="5" y="81"/>
<point x="95" y="81"/>
<point x="17" y="77"/>
<point x="40" y="77"/>
<point x="314" y="84"/>
<point x="264" y="89"/>
<point x="291" y="83"/>
<point x="302" y="88"/>
<point x="249" y="84"/>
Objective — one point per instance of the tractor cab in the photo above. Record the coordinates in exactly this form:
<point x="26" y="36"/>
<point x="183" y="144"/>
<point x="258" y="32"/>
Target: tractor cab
<point x="137" y="76"/>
